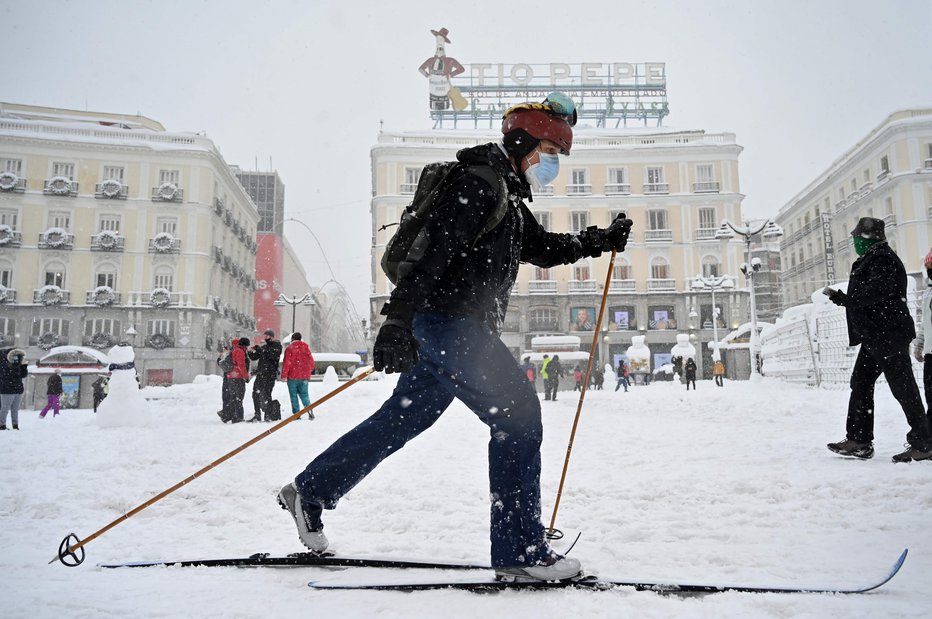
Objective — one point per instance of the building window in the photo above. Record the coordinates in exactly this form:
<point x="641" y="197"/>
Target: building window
<point x="884" y="165"/>
<point x="657" y="219"/>
<point x="542" y="274"/>
<point x="412" y="176"/>
<point x="169" y="176"/>
<point x="581" y="271"/>
<point x="659" y="269"/>
<point x="109" y="326"/>
<point x="705" y="179"/>
<point x="543" y="218"/>
<point x="106" y="278"/>
<point x="12" y="165"/>
<point x="579" y="181"/>
<point x="707" y="218"/>
<point x="109" y="223"/>
<point x="166" y="224"/>
<point x="164" y="279"/>
<point x="710" y="267"/>
<point x="621" y="270"/>
<point x="7" y="330"/>
<point x="55" y="276"/>
<point x="622" y="318"/>
<point x="8" y="217"/>
<point x="654" y="175"/>
<point x="60" y="219"/>
<point x="113" y="173"/>
<point x="661" y="317"/>
<point x="542" y="319"/>
<point x="6" y="277"/>
<point x="161" y="327"/>
<point x="57" y="326"/>
<point x="60" y="168"/>
<point x="579" y="220"/>
<point x="618" y="181"/>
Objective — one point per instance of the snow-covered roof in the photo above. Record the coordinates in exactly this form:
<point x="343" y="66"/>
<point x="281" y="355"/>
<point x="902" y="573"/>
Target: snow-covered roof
<point x="73" y="355"/>
<point x="554" y="340"/>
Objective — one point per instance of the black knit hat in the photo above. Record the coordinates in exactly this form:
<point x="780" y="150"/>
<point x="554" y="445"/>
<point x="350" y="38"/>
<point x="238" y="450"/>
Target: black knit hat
<point x="870" y="228"/>
<point x="243" y="341"/>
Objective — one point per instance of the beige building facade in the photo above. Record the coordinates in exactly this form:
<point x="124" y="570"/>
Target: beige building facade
<point x="114" y="229"/>
<point x="887" y="175"/>
<point x="677" y="186"/>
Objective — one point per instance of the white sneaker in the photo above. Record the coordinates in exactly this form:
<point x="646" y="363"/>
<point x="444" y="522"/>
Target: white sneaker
<point x="306" y="517"/>
<point x="553" y="568"/>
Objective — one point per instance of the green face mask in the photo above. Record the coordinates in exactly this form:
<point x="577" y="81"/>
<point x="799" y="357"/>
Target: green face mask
<point x="861" y="245"/>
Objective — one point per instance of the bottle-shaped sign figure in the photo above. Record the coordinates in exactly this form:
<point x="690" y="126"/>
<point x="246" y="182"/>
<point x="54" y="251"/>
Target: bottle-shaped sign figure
<point x="438" y="69"/>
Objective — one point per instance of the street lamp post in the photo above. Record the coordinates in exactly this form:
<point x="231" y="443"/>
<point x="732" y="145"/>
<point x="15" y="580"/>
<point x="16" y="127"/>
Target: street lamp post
<point x="712" y="284"/>
<point x="294" y="302"/>
<point x="768" y="231"/>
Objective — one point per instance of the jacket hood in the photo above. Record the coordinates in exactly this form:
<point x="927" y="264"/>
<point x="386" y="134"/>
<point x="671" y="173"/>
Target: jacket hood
<point x="13" y="353"/>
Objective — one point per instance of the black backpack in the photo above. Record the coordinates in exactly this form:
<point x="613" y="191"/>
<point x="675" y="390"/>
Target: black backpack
<point x="226" y="362"/>
<point x="409" y="243"/>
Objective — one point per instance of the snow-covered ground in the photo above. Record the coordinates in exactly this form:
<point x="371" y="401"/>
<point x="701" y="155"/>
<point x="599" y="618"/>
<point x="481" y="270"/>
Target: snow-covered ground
<point x="719" y="484"/>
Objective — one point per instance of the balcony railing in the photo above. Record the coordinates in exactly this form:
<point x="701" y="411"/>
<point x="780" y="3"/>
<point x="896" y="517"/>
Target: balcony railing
<point x="706" y="234"/>
<point x="111" y="190"/>
<point x="623" y="189"/>
<point x="706" y="187"/>
<point x="7" y="295"/>
<point x="655" y="236"/>
<point x="578" y="190"/>
<point x="546" y="191"/>
<point x="12" y="183"/>
<point x="56" y="240"/>
<point x="889" y="221"/>
<point x="927" y="164"/>
<point x="582" y="286"/>
<point x="103" y="241"/>
<point x="60" y="186"/>
<point x="92" y="297"/>
<point x="884" y="175"/>
<point x="511" y="327"/>
<point x="218" y="206"/>
<point x="11" y="238"/>
<point x="164" y="246"/>
<point x="408" y="188"/>
<point x="175" y="299"/>
<point x="44" y="296"/>
<point x="656" y="188"/>
<point x="623" y="285"/>
<point x="542" y="286"/>
<point x="167" y="192"/>
<point x="661" y="285"/>
<point x="543" y="326"/>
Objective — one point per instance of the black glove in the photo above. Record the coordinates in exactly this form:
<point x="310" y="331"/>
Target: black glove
<point x="395" y="349"/>
<point x="616" y="236"/>
<point x="838" y="298"/>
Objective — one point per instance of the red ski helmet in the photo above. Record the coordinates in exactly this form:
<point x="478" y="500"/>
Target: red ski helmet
<point x="928" y="260"/>
<point x="540" y="125"/>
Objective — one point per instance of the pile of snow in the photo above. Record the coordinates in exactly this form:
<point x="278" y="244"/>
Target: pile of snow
<point x="729" y="484"/>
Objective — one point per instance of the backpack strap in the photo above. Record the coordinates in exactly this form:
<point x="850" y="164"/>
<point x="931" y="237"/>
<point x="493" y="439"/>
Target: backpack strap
<point x="497" y="182"/>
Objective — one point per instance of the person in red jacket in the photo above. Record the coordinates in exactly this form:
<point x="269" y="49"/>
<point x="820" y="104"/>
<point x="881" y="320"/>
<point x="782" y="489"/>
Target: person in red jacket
<point x="296" y="371"/>
<point x="235" y="383"/>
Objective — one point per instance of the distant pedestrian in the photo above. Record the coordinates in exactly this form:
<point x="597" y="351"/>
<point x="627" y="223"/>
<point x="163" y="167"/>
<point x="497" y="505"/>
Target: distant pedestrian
<point x="235" y="386"/>
<point x="577" y="376"/>
<point x="100" y="388"/>
<point x="13" y="370"/>
<point x="598" y="378"/>
<point x="690" y="373"/>
<point x="719" y="371"/>
<point x="552" y="382"/>
<point x="529" y="370"/>
<point x="53" y="392"/>
<point x="879" y="320"/>
<point x="622" y="376"/>
<point x="267" y="354"/>
<point x="296" y="371"/>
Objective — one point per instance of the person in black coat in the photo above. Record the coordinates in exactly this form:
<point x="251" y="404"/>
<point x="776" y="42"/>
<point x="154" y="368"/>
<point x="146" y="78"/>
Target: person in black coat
<point x="690" y="372"/>
<point x="879" y="320"/>
<point x="13" y="370"/>
<point x="267" y="354"/>
<point x="555" y="372"/>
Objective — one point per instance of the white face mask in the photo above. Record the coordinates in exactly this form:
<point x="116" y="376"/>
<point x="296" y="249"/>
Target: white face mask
<point x="542" y="173"/>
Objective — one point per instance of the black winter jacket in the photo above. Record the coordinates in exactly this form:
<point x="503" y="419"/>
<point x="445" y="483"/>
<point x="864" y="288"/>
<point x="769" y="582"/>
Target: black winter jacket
<point x="11" y="374"/>
<point x="54" y="385"/>
<point x="875" y="304"/>
<point x="464" y="275"/>
<point x="267" y="355"/>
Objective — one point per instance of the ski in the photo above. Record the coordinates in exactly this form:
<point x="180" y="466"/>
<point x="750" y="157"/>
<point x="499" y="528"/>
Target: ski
<point x="489" y="584"/>
<point x="300" y="559"/>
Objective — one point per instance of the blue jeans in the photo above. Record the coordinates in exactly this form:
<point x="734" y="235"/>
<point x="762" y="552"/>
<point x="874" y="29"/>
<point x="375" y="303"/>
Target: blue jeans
<point x="459" y="358"/>
<point x="296" y="389"/>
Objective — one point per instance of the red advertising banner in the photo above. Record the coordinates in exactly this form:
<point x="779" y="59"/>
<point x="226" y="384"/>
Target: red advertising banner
<point x="268" y="282"/>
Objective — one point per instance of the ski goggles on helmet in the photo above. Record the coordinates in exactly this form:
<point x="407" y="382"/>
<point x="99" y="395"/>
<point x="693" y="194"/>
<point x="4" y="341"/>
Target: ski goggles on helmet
<point x="556" y="104"/>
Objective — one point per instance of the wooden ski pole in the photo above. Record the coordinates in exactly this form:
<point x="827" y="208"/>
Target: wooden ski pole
<point x="551" y="531"/>
<point x="67" y="551"/>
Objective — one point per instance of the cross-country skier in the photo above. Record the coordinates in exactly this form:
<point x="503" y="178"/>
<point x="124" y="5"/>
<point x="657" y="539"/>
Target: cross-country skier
<point x="442" y="330"/>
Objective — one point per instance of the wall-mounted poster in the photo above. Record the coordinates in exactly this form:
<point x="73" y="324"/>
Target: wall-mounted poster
<point x="662" y="358"/>
<point x="71" y="383"/>
<point x="621" y="318"/>
<point x="661" y="317"/>
<point x="582" y="318"/>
